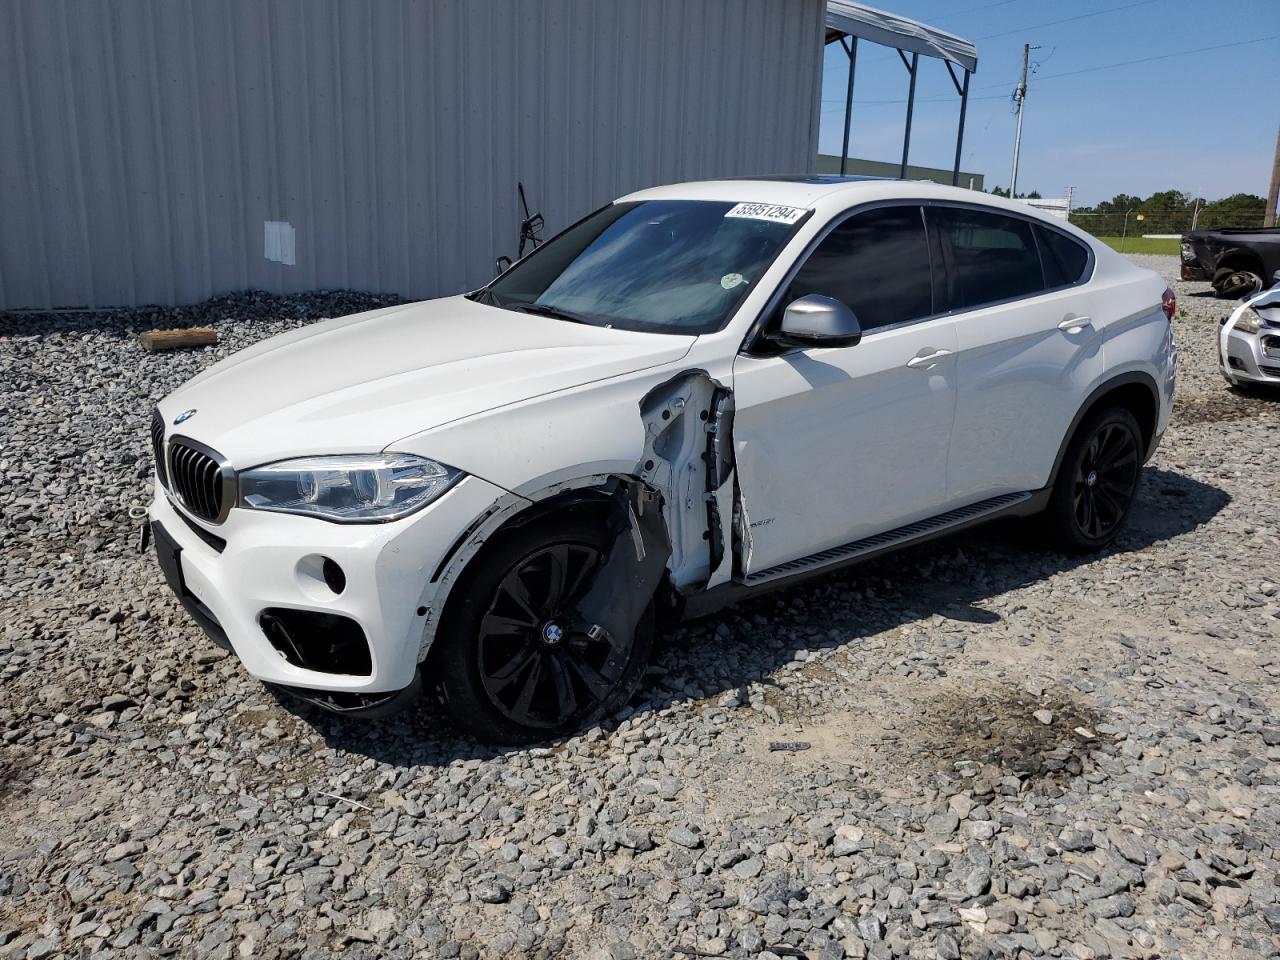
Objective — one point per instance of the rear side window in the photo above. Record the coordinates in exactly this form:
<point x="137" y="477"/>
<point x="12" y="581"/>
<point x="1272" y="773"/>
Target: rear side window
<point x="1064" y="259"/>
<point x="994" y="257"/>
<point x="875" y="262"/>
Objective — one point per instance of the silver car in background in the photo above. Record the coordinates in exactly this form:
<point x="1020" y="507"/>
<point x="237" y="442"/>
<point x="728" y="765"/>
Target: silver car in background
<point x="1249" y="341"/>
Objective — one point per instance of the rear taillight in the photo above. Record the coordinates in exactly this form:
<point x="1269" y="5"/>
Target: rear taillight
<point x="1169" y="303"/>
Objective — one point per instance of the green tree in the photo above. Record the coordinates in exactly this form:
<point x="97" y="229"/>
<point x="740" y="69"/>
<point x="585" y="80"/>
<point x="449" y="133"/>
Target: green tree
<point x="1002" y="192"/>
<point x="1164" y="203"/>
<point x="1237" y="210"/>
<point x="1119" y="204"/>
<point x="1168" y="211"/>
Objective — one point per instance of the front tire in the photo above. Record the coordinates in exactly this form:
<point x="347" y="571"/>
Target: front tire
<point x="1097" y="481"/>
<point x="514" y="668"/>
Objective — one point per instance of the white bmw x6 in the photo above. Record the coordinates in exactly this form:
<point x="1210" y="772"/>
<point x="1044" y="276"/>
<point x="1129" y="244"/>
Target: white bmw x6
<point x="695" y="393"/>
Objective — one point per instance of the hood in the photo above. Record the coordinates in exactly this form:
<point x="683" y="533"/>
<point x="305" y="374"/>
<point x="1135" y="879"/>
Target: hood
<point x="357" y="384"/>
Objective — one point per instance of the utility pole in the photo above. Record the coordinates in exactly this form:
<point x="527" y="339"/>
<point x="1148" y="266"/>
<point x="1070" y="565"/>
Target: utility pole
<point x="1070" y="191"/>
<point x="1273" y="195"/>
<point x="1019" y="95"/>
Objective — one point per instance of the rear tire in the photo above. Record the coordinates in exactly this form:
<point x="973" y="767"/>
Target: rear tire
<point x="1097" y="481"/>
<point x="511" y="668"/>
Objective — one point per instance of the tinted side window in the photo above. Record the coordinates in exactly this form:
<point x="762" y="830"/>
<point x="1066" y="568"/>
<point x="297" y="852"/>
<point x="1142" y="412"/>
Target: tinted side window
<point x="876" y="262"/>
<point x="994" y="257"/>
<point x="1064" y="259"/>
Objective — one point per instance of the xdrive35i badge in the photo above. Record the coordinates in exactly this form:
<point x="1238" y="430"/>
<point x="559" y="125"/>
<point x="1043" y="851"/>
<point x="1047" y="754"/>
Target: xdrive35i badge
<point x="183" y="417"/>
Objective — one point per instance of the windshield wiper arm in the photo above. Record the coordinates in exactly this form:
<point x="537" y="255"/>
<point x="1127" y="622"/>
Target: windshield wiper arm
<point x="546" y="310"/>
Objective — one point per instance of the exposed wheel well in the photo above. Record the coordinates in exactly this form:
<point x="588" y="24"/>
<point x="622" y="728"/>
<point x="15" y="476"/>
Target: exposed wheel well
<point x="1136" y="393"/>
<point x="1138" y="400"/>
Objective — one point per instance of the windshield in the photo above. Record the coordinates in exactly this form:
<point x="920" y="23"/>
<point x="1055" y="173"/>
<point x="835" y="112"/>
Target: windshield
<point x="670" y="266"/>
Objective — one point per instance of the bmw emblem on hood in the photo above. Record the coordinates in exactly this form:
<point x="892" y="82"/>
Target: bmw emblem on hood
<point x="183" y="417"/>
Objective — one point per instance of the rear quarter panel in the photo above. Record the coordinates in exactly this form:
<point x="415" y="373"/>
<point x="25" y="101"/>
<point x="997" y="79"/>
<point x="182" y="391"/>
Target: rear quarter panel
<point x="1137" y="337"/>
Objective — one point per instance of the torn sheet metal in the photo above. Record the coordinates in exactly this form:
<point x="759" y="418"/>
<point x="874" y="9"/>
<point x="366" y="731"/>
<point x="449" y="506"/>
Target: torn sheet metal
<point x="688" y="457"/>
<point x="721" y="481"/>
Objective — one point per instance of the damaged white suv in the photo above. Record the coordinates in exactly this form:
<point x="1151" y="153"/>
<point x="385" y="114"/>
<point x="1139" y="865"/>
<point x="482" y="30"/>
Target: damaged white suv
<point x="695" y="393"/>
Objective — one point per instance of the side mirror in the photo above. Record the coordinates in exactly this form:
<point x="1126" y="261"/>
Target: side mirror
<point x="818" y="321"/>
<point x="502" y="264"/>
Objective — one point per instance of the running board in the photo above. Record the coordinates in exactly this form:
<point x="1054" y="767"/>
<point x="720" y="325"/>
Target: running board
<point x="921" y="529"/>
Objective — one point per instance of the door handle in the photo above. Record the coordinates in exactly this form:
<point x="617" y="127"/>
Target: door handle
<point x="928" y="360"/>
<point x="1075" y="324"/>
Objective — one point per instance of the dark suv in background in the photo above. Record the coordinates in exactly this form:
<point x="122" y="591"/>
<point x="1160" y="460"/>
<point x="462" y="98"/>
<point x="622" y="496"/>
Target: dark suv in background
<point x="1235" y="261"/>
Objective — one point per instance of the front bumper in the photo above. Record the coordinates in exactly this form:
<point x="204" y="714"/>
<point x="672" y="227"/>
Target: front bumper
<point x="1249" y="357"/>
<point x="1193" y="271"/>
<point x="268" y="561"/>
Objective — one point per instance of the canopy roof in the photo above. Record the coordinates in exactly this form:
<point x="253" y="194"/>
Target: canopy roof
<point x="891" y="30"/>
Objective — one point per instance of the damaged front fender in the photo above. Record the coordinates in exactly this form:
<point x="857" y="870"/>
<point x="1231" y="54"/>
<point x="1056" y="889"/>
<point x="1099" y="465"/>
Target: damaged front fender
<point x="679" y="481"/>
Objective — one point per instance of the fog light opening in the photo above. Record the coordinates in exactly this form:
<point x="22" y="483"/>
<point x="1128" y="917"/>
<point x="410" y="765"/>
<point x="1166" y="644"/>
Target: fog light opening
<point x="324" y="642"/>
<point x="334" y="578"/>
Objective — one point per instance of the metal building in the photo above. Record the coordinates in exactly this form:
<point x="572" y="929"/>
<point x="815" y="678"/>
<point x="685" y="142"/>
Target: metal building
<point x="162" y="151"/>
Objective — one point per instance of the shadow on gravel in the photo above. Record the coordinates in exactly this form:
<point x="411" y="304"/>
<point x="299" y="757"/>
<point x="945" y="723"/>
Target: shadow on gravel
<point x="747" y="643"/>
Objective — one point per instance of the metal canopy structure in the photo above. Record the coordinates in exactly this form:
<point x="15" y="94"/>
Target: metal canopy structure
<point x="847" y="22"/>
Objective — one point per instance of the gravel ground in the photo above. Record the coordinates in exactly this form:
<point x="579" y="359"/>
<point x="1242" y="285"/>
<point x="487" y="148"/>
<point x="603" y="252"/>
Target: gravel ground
<point x="1007" y="752"/>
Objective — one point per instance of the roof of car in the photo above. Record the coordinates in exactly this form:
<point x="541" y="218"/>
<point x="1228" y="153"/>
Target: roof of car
<point x="830" y="194"/>
<point x="808" y="190"/>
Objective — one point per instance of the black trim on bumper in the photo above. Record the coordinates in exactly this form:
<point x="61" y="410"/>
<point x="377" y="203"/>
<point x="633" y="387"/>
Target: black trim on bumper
<point x="214" y="541"/>
<point x="169" y="555"/>
<point x="366" y="706"/>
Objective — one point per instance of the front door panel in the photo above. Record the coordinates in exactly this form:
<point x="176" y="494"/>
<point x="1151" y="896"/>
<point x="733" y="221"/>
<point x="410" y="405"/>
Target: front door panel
<point x="837" y="444"/>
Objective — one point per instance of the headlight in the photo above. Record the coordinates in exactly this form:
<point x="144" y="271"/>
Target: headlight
<point x="349" y="489"/>
<point x="1248" y="322"/>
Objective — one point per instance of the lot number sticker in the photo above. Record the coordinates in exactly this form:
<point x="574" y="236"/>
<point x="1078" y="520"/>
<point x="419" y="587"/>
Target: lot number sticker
<point x="767" y="211"/>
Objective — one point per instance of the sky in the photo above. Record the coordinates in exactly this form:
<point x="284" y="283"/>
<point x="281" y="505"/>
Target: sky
<point x="1203" y="121"/>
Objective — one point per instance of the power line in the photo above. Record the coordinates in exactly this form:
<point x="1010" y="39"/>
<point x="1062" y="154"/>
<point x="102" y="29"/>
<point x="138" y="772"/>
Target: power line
<point x="1054" y="23"/>
<point x="1163" y="56"/>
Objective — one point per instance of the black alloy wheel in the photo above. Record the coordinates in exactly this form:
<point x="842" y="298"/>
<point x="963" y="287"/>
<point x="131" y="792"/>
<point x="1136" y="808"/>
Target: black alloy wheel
<point x="1097" y="481"/>
<point x="536" y="667"/>
<point x="513" y="659"/>
<point x="1106" y="477"/>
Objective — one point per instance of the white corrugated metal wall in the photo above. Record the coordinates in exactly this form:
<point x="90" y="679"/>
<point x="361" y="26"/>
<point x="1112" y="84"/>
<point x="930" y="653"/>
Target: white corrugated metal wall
<point x="146" y="142"/>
